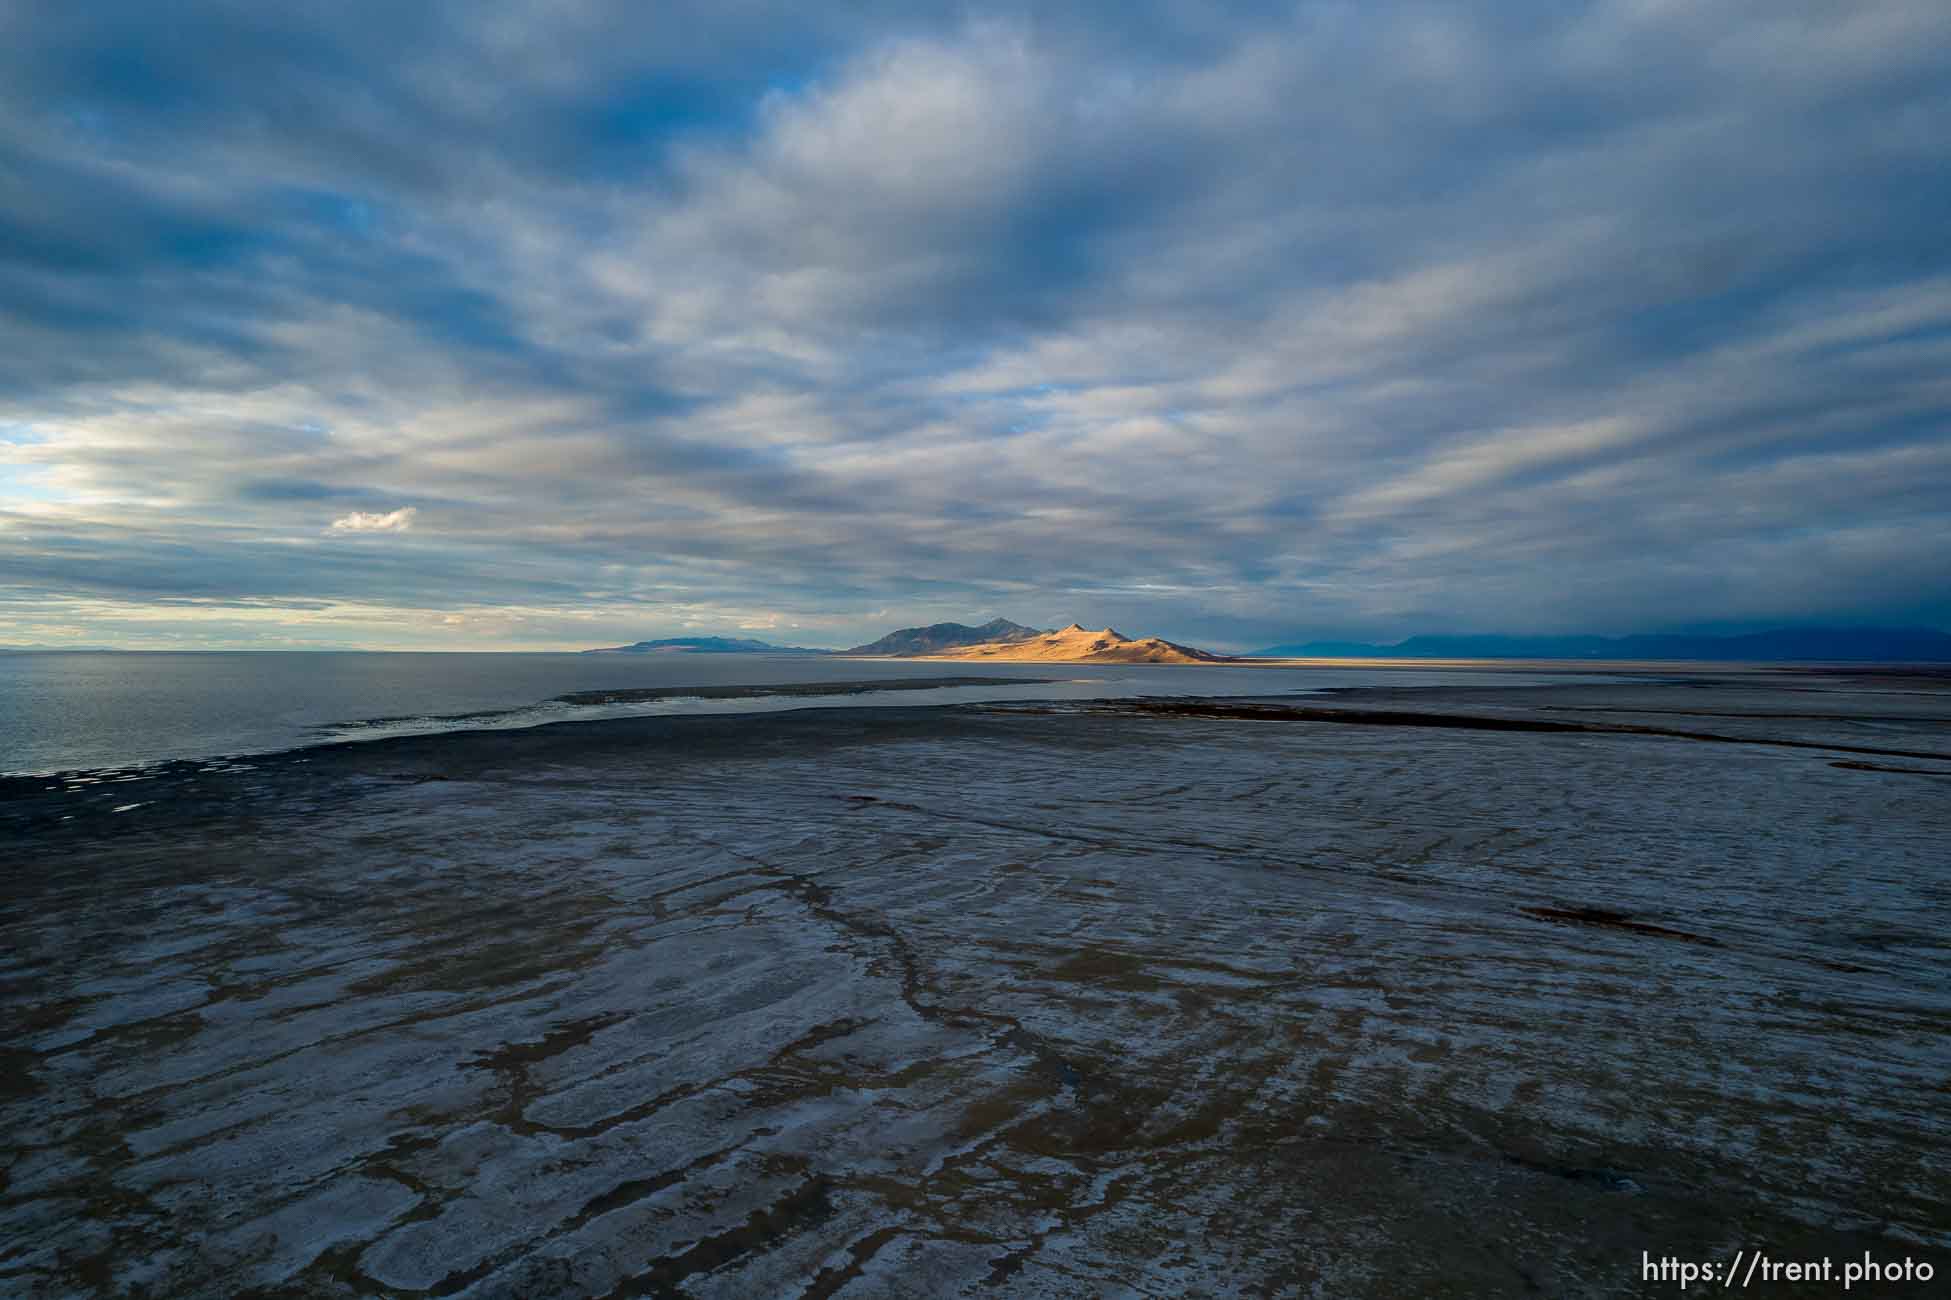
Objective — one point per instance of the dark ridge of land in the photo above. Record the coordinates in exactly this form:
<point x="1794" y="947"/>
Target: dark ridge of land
<point x="1752" y="716"/>
<point x="1606" y="919"/>
<point x="1848" y="766"/>
<point x="1226" y="711"/>
<point x="645" y="694"/>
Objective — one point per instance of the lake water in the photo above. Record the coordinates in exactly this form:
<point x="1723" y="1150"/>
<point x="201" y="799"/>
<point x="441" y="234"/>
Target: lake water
<point x="63" y="711"/>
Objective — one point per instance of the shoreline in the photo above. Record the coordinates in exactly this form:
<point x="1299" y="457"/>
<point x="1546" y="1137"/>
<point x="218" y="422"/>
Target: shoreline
<point x="76" y="801"/>
<point x="533" y="712"/>
<point x="42" y="756"/>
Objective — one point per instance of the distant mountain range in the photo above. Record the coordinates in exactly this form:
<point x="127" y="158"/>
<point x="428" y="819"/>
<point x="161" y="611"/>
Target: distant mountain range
<point x="1814" y="644"/>
<point x="705" y="645"/>
<point x="998" y="639"/>
<point x="1003" y="640"/>
<point x="937" y="637"/>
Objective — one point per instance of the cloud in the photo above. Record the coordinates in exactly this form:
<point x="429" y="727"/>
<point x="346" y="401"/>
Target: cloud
<point x="360" y="521"/>
<point x="1233" y="322"/>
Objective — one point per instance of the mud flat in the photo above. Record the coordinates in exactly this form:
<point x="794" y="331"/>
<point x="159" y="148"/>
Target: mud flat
<point x="1207" y="998"/>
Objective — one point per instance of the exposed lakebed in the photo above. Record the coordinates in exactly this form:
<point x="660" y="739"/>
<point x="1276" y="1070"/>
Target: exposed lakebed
<point x="1064" y="998"/>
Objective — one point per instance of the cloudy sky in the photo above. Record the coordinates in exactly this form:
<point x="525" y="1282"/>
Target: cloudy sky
<point x="512" y="324"/>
